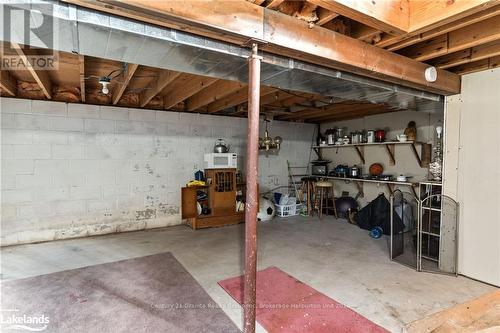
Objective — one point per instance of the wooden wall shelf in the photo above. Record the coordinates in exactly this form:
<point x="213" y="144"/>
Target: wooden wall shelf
<point x="391" y="184"/>
<point x="389" y="148"/>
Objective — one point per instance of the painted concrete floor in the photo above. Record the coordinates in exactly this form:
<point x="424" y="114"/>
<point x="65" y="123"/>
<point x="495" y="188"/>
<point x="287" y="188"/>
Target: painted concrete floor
<point x="331" y="255"/>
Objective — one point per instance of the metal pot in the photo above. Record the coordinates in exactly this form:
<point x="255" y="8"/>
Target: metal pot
<point x="354" y="172"/>
<point x="221" y="146"/>
<point x="356" y="137"/>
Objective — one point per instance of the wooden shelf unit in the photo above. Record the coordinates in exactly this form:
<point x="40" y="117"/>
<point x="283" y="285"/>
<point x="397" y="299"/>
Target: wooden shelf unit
<point x="389" y="183"/>
<point x="221" y="199"/>
<point x="389" y="148"/>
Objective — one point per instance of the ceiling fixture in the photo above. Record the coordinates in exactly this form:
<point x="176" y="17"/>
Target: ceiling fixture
<point x="104" y="81"/>
<point x="431" y="74"/>
<point x="269" y="143"/>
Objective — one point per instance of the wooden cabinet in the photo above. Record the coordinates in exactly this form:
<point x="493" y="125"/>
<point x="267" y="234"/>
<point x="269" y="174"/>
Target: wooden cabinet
<point x="217" y="199"/>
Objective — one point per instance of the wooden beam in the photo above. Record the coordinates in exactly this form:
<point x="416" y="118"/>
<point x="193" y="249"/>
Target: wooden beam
<point x="8" y="83"/>
<point x="480" y="52"/>
<point x="275" y="97"/>
<point x="325" y="110"/>
<point x="297" y="98"/>
<point x="352" y="115"/>
<point x="239" y="97"/>
<point x="429" y="49"/>
<point x="479" y="33"/>
<point x="41" y="77"/>
<point x="216" y="91"/>
<point x="477" y="66"/>
<point x="348" y="110"/>
<point x="283" y="35"/>
<point x="181" y="92"/>
<point x="165" y="78"/>
<point x="324" y="16"/>
<point x="267" y="98"/>
<point x="120" y="89"/>
<point x="390" y="16"/>
<point x="81" y="70"/>
<point x="273" y="4"/>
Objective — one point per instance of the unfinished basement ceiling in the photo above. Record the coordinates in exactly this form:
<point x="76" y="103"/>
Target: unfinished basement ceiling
<point x="115" y="41"/>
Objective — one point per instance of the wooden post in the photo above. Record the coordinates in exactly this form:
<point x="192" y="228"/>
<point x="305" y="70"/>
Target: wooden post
<point x="252" y="197"/>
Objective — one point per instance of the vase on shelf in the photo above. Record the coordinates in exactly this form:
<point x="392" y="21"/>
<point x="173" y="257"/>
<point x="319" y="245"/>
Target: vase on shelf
<point x="436" y="166"/>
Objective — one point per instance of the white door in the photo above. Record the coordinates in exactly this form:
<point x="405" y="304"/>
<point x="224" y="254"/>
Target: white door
<point x="472" y="172"/>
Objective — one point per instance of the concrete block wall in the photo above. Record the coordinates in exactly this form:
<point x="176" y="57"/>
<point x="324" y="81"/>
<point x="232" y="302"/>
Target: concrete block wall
<point x="73" y="170"/>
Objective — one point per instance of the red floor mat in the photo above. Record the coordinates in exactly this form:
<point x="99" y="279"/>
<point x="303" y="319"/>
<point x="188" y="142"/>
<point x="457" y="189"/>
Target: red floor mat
<point x="284" y="304"/>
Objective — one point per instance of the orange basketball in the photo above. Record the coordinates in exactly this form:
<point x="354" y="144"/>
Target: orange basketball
<point x="376" y="169"/>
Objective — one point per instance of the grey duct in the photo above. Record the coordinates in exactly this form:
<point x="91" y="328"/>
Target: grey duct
<point x="92" y="33"/>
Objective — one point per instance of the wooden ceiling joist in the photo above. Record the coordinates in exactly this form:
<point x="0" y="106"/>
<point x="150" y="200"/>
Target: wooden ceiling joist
<point x="342" y="110"/>
<point x="257" y="2"/>
<point x="476" y="66"/>
<point x="81" y="70"/>
<point x="8" y="83"/>
<point x="120" y="89"/>
<point x="362" y="32"/>
<point x="215" y="92"/>
<point x="166" y="77"/>
<point x="322" y="111"/>
<point x="479" y="33"/>
<point x="188" y="89"/>
<point x="285" y="35"/>
<point x="41" y="77"/>
<point x="354" y="115"/>
<point x="477" y="53"/>
<point x="325" y="16"/>
<point x="273" y="4"/>
<point x="237" y="98"/>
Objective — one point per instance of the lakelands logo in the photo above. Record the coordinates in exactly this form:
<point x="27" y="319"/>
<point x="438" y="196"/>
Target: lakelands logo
<point x="32" y="31"/>
<point x="14" y="320"/>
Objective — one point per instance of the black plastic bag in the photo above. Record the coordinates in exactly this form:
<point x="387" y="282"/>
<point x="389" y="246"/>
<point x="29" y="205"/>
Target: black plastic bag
<point x="377" y="214"/>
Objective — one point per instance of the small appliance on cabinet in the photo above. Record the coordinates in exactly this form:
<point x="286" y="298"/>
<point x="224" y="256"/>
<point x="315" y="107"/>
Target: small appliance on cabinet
<point x="220" y="161"/>
<point x="221" y="193"/>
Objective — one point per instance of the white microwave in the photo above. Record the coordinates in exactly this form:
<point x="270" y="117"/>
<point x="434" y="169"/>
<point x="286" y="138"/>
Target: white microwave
<point x="220" y="161"/>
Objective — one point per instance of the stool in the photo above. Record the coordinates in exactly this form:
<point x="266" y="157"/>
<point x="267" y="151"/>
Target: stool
<point x="324" y="189"/>
<point x="308" y="188"/>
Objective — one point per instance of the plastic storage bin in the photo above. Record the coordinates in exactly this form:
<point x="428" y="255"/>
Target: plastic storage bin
<point x="287" y="210"/>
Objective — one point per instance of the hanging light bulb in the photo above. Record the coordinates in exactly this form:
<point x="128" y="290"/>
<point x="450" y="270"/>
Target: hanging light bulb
<point x="104" y="81"/>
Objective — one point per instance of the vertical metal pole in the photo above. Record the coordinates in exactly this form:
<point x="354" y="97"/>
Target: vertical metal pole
<point x="252" y="197"/>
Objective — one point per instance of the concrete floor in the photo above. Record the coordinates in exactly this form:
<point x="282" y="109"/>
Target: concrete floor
<point x="332" y="256"/>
